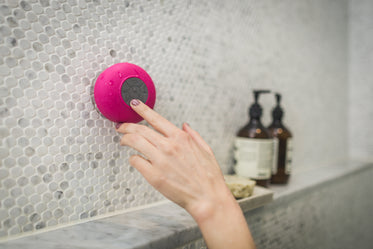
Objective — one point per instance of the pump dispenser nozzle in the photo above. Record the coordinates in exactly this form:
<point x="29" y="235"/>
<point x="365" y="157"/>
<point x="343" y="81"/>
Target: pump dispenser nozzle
<point x="255" y="109"/>
<point x="258" y="92"/>
<point x="277" y="112"/>
<point x="278" y="98"/>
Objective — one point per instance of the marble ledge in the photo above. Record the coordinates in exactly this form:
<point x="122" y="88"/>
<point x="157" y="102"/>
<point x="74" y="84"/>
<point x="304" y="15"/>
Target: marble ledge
<point x="167" y="225"/>
<point x="307" y="180"/>
<point x="161" y="226"/>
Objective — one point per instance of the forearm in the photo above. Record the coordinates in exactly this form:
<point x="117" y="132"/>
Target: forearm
<point x="224" y="226"/>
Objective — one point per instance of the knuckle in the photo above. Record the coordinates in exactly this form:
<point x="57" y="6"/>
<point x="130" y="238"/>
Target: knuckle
<point x="176" y="147"/>
<point x="127" y="126"/>
<point x="130" y="127"/>
<point x="122" y="141"/>
<point x="182" y="136"/>
<point x="159" y="181"/>
<point x="135" y="139"/>
<point x="142" y="129"/>
<point x="168" y="148"/>
<point x="152" y="120"/>
<point x="129" y="139"/>
<point x="134" y="128"/>
<point x="134" y="159"/>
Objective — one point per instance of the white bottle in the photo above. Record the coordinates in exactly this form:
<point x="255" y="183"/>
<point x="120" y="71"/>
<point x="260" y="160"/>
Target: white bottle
<point x="253" y="148"/>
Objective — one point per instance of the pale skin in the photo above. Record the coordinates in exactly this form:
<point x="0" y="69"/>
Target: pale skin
<point x="181" y="166"/>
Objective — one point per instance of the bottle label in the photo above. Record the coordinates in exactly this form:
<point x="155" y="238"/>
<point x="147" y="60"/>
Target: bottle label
<point x="289" y="156"/>
<point x="275" y="155"/>
<point x="253" y="157"/>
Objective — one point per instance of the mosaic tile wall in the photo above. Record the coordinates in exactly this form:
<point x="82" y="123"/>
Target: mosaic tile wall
<point x="336" y="215"/>
<point x="361" y="78"/>
<point x="60" y="160"/>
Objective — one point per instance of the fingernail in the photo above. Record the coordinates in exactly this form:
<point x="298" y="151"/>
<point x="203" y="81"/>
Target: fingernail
<point x="135" y="102"/>
<point x="187" y="124"/>
<point x="118" y="125"/>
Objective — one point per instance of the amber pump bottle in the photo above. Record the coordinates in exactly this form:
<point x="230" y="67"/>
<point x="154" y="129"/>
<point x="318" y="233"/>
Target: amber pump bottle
<point x="283" y="146"/>
<point x="253" y="149"/>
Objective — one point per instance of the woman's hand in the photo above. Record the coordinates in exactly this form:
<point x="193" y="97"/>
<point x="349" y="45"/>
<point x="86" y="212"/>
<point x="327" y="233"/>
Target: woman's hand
<point x="181" y="165"/>
<point x="178" y="163"/>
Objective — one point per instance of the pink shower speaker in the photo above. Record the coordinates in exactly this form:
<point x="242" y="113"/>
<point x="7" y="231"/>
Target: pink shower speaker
<point x="117" y="86"/>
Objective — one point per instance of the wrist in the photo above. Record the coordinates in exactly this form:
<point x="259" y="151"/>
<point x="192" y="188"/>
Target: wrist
<point x="223" y="224"/>
<point x="214" y="206"/>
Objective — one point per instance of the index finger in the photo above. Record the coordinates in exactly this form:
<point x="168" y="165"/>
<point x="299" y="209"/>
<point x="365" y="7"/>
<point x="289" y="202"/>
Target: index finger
<point x="153" y="118"/>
